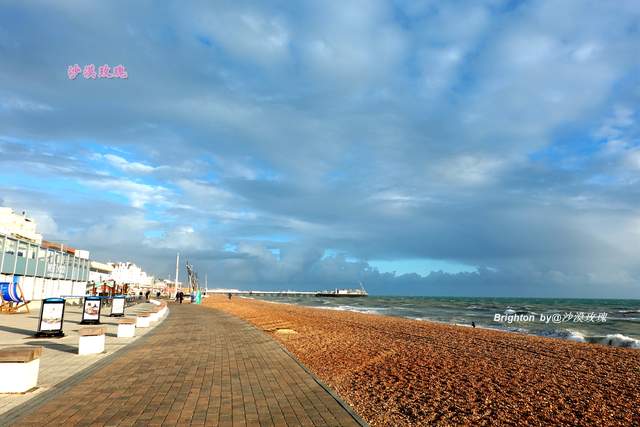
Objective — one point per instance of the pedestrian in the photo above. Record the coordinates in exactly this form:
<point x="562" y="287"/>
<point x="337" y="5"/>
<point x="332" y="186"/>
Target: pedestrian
<point x="140" y="295"/>
<point x="180" y="296"/>
<point x="473" y="324"/>
<point x="146" y="295"/>
<point x="229" y="295"/>
<point x="157" y="294"/>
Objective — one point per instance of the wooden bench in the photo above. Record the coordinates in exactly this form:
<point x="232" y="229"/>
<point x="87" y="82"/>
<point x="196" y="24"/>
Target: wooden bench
<point x="163" y="308"/>
<point x="156" y="313"/>
<point x="91" y="340"/>
<point x="143" y="320"/>
<point x="19" y="368"/>
<point x="126" y="328"/>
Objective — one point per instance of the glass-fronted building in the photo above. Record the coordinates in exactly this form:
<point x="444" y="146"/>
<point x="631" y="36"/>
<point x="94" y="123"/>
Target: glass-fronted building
<point x="42" y="272"/>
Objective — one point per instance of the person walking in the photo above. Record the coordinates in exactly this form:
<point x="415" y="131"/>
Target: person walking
<point x="146" y="295"/>
<point x="180" y="296"/>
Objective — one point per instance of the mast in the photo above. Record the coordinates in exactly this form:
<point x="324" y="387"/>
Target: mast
<point x="177" y="267"/>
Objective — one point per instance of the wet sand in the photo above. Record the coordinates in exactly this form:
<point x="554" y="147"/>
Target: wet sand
<point x="395" y="371"/>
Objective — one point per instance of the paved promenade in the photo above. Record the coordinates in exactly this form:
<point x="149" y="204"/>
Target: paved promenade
<point x="198" y="367"/>
<point x="60" y="359"/>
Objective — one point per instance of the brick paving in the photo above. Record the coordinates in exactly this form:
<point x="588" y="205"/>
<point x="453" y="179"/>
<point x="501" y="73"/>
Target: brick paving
<point x="199" y="367"/>
<point x="60" y="358"/>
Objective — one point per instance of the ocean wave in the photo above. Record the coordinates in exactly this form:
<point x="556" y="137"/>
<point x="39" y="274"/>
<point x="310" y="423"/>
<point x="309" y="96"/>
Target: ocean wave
<point x="365" y="310"/>
<point x="628" y="311"/>
<point x="614" y="340"/>
<point x="576" y="336"/>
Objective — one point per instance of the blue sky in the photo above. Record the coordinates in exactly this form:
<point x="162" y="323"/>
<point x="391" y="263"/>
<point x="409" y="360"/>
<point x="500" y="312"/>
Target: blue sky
<point x="422" y="147"/>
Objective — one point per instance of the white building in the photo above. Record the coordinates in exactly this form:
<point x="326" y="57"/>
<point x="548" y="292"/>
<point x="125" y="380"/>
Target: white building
<point x="130" y="274"/>
<point x="18" y="225"/>
<point x="42" y="269"/>
<point x="100" y="272"/>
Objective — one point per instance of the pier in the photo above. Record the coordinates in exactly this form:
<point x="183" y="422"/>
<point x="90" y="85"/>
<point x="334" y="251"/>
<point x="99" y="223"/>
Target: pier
<point x="263" y="293"/>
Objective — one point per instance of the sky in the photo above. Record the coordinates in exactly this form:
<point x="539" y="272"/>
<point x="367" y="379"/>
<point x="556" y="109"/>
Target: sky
<point x="481" y="148"/>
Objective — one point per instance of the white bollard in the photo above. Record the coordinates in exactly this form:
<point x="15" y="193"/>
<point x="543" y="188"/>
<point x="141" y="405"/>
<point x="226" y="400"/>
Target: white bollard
<point x="19" y="368"/>
<point x="91" y="341"/>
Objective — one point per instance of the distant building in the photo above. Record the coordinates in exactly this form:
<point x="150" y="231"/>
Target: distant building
<point x="100" y="272"/>
<point x="18" y="225"/>
<point x="130" y="274"/>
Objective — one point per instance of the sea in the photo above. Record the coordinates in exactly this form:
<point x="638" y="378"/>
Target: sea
<point x="605" y="321"/>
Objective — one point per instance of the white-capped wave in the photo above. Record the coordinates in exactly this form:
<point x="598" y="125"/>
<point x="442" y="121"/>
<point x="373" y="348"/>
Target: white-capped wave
<point x="576" y="336"/>
<point x="366" y="310"/>
<point x="617" y="340"/>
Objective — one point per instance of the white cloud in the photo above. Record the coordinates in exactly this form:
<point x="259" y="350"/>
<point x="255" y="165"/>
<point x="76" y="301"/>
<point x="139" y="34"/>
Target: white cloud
<point x="22" y="104"/>
<point x="139" y="194"/>
<point x="469" y="170"/>
<point x="125" y="165"/>
<point x="253" y="35"/>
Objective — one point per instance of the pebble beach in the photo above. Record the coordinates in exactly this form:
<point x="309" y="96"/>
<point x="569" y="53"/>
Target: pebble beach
<point x="396" y="371"/>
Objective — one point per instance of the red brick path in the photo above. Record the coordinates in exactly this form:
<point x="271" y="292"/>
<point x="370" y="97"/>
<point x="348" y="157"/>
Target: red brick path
<point x="199" y="367"/>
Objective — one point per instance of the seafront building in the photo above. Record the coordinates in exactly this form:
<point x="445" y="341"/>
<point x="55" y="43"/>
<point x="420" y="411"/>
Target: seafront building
<point x="128" y="272"/>
<point x="18" y="225"/>
<point x="136" y="279"/>
<point x="46" y="269"/>
<point x="42" y="269"/>
<point x="100" y="272"/>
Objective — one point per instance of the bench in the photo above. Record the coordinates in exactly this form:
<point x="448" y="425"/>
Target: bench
<point x="126" y="328"/>
<point x="163" y="308"/>
<point x="19" y="367"/>
<point x="143" y="320"/>
<point x="156" y="313"/>
<point x="91" y="340"/>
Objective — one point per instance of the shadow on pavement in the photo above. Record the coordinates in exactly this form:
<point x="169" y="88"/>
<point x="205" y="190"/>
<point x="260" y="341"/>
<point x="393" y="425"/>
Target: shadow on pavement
<point x="21" y="331"/>
<point x="55" y="346"/>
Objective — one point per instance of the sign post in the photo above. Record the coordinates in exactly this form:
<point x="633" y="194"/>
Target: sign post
<point x="51" y="318"/>
<point x="91" y="310"/>
<point x="117" y="306"/>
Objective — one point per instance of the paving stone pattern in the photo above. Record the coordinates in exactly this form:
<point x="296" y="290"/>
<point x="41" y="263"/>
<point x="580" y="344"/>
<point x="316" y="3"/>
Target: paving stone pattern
<point x="199" y="367"/>
<point x="60" y="359"/>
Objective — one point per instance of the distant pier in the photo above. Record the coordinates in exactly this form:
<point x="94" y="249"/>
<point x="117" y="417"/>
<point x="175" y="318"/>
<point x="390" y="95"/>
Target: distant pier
<point x="332" y="293"/>
<point x="263" y="293"/>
